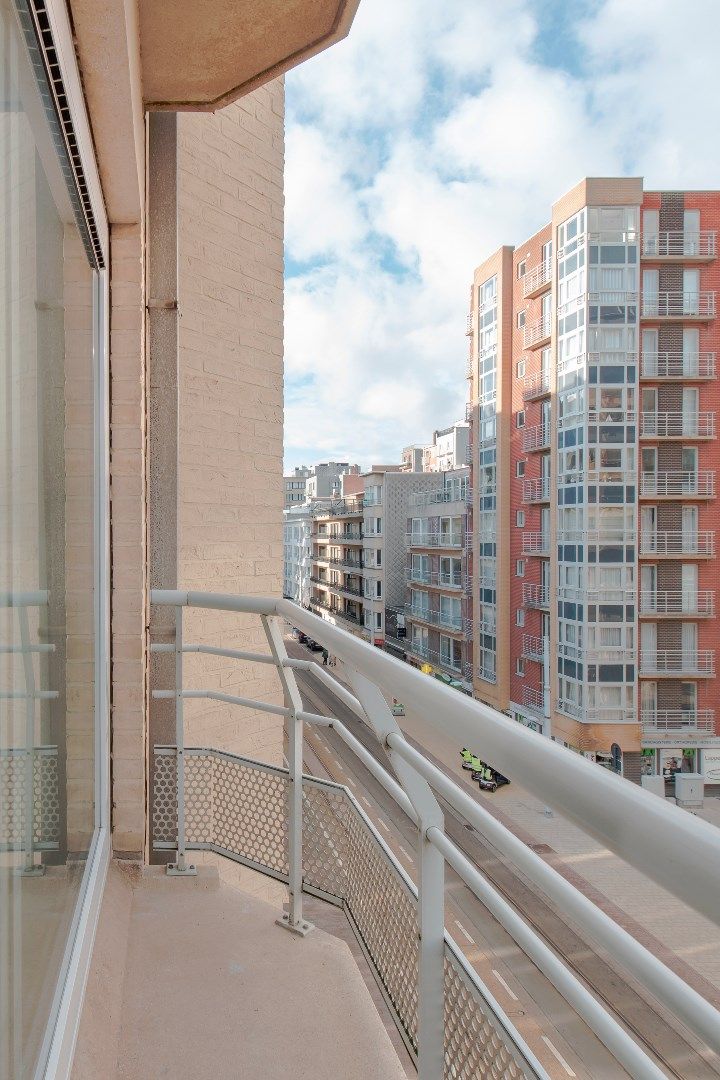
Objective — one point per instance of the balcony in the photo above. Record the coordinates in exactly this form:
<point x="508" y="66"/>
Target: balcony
<point x="426" y="539"/>
<point x="451" y="624"/>
<point x="533" y="701"/>
<point x="353" y="565"/>
<point x="537" y="333"/>
<point x="535" y="543"/>
<point x="672" y="663"/>
<point x="537" y="280"/>
<point x="536" y="437"/>
<point x="688" y="306"/>
<point x="438" y="579"/>
<point x="347" y="536"/>
<point x="338" y="613"/>
<point x="679" y="246"/>
<point x="536" y="491"/>
<point x="700" y="604"/>
<point x="440" y="498"/>
<point x="678" y="721"/>
<point x="536" y="386"/>
<point x="677" y="425"/>
<point x="470" y="324"/>
<point x="337" y="587"/>
<point x="533" y="648"/>
<point x="676" y="545"/>
<point x="535" y="596"/>
<point x="341" y="508"/>
<point x="459" y="669"/>
<point x="610" y="537"/>
<point x="675" y="366"/>
<point x="678" y="485"/>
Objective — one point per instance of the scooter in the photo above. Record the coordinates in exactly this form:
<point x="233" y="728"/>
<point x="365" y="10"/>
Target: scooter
<point x="466" y="764"/>
<point x="487" y="785"/>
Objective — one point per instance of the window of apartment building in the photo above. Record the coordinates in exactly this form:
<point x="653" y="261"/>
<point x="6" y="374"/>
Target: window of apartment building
<point x="520" y="369"/>
<point x="520" y="418"/>
<point x="520" y="519"/>
<point x="520" y="468"/>
<point x="519" y="666"/>
<point x="450" y="652"/>
<point x="520" y="319"/>
<point x="378" y="620"/>
<point x="520" y="568"/>
<point x="522" y="268"/>
<point x="519" y="616"/>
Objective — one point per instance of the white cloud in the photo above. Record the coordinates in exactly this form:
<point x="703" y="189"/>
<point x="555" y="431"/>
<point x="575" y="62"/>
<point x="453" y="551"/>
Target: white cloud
<point x="434" y="134"/>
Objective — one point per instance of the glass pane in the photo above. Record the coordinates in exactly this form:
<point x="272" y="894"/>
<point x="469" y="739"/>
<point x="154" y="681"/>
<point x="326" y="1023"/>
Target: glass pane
<point x="47" y="767"/>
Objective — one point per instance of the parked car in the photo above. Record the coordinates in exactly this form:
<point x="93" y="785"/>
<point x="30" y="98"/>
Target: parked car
<point x="313" y="646"/>
<point x="303" y="638"/>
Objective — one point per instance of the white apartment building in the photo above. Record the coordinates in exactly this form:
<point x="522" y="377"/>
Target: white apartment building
<point x="297" y="552"/>
<point x="448" y="449"/>
<point x="325" y="479"/>
<point x="294" y="485"/>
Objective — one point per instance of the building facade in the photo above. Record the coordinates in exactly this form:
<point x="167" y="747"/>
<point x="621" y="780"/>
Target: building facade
<point x="336" y="576"/>
<point x="593" y="386"/>
<point x="297" y="552"/>
<point x="294" y="484"/>
<point x="324" y="481"/>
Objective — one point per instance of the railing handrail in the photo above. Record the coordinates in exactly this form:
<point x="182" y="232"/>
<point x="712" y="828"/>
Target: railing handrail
<point x="637" y="827"/>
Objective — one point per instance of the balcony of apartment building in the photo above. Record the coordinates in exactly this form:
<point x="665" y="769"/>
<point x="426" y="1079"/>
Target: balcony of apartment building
<point x="679" y="245"/>
<point x="695" y="603"/>
<point x="444" y="580"/>
<point x="450" y="622"/>
<point x="535" y="543"/>
<point x="348" y="588"/>
<point x="449" y="661"/>
<point x="341" y="509"/>
<point x="677" y="544"/>
<point x="537" y="280"/>
<point x="677" y="721"/>
<point x="676" y="304"/>
<point x="536" y="386"/>
<point x="345" y="537"/>
<point x="452" y="539"/>
<point x="537" y="333"/>
<point x="344" y="562"/>
<point x="672" y="663"/>
<point x="537" y="490"/>
<point x="349" y="612"/>
<point x="535" y="596"/>
<point x="459" y="495"/>
<point x="536" y="437"/>
<point x="676" y="366"/>
<point x="690" y="426"/>
<point x="534" y="648"/>
<point x="678" y="484"/>
<point x="533" y="700"/>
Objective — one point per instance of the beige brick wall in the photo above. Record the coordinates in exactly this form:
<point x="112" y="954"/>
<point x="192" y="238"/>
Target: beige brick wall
<point x="231" y="392"/>
<point x="129" y="559"/>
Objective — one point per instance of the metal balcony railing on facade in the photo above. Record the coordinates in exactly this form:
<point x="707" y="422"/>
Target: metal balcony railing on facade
<point x="337" y="612"/>
<point x="535" y="280"/>
<point x="470" y="324"/>
<point x="438" y="579"/>
<point x="537" y="490"/>
<point x="536" y="333"/>
<point x="700" y="662"/>
<point x="347" y="564"/>
<point x="680" y="721"/>
<point x="535" y="543"/>
<point x="435" y="540"/>
<point x="533" y="648"/>
<point x="678" y="244"/>
<point x="596" y="536"/>
<point x="535" y="386"/>
<point x="675" y="544"/>
<point x="677" y="365"/>
<point x="314" y="836"/>
<point x="439" y="498"/>
<point x="338" y="587"/>
<point x="676" y="304"/>
<point x="341" y="508"/>
<point x="678" y="484"/>
<point x="535" y="596"/>
<point x="533" y="700"/>
<point x="452" y="624"/>
<point x="460" y="668"/>
<point x="699" y="603"/>
<point x="536" y="437"/>
<point x="677" y="425"/>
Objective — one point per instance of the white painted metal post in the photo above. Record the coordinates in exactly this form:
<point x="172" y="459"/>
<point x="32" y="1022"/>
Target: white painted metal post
<point x="293" y="920"/>
<point x="29" y="868"/>
<point x="180" y="867"/>
<point x="431" y="886"/>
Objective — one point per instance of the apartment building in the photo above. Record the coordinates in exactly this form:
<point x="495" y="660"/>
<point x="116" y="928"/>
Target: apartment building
<point x="448" y="449"/>
<point x="297" y="552"/>
<point x="593" y="394"/>
<point x="325" y="479"/>
<point x="438" y="607"/>
<point x="294" y="484"/>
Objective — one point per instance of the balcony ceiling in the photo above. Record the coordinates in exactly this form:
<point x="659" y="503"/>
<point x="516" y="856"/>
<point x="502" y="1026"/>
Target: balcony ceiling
<point x="201" y="56"/>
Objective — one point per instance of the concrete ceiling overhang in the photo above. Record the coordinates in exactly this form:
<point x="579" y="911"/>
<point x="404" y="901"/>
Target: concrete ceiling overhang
<point x="200" y="55"/>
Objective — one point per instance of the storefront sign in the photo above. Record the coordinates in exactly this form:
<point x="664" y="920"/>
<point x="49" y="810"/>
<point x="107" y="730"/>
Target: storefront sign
<point x="710" y="767"/>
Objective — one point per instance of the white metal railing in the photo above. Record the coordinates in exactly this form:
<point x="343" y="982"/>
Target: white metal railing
<point x="269" y="828"/>
<point x="536" y="332"/>
<point x="669" y="425"/>
<point x="533" y="648"/>
<point x="460" y="668"/>
<point x="677" y="602"/>
<point x="676" y="304"/>
<point x="534" y="700"/>
<point x="677" y="661"/>
<point x="435" y="539"/>
<point x="596" y="536"/>
<point x="537" y="490"/>
<point x="676" y="243"/>
<point x="606" y="595"/>
<point x="454" y="624"/>
<point x="337" y="586"/>
<point x="535" y="543"/>
<point x="536" y="437"/>
<point x="446" y="495"/>
<point x="677" y="543"/>
<point x="536" y="278"/>
<point x="612" y="297"/>
<point x="619" y="655"/>
<point x="469" y="324"/>
<point x="680" y="720"/>
<point x="339" y="613"/>
<point x="348" y="564"/>
<point x="536" y="596"/>
<point x="439" y="579"/>
<point x="677" y="365"/>
<point x="487" y="305"/>
<point x="700" y="484"/>
<point x="341" y="508"/>
<point x="536" y="385"/>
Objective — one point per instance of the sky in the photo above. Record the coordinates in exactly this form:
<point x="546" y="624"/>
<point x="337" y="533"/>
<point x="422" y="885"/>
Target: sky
<point x="437" y="131"/>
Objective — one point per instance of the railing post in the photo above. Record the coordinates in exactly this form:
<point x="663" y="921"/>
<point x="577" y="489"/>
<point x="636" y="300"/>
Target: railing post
<point x="181" y="867"/>
<point x="29" y="868"/>
<point x="293" y="920"/>
<point x="431" y="886"/>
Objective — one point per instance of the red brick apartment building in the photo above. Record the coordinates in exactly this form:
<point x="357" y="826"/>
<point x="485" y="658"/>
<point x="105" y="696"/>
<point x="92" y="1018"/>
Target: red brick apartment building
<point x="593" y="394"/>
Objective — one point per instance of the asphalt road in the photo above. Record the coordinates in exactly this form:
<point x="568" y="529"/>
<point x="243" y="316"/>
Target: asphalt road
<point x="559" y="1038"/>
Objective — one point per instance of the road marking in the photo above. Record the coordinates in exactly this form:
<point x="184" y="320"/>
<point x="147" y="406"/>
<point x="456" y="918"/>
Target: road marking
<point x="464" y="932"/>
<point x="337" y="763"/>
<point x="351" y="782"/>
<point x="500" y="979"/>
<point x="407" y="854"/>
<point x="558" y="1055"/>
<point x="382" y="825"/>
<point x="364" y="800"/>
